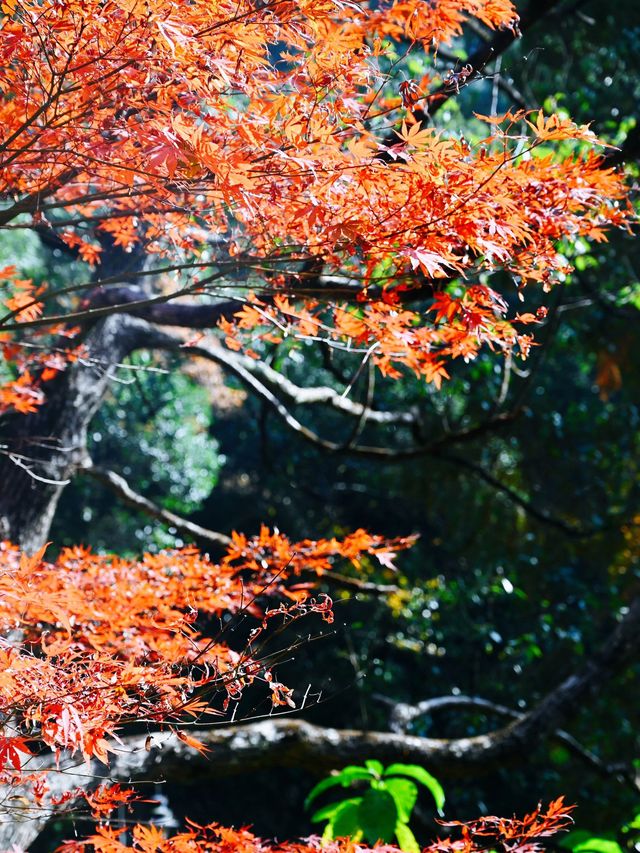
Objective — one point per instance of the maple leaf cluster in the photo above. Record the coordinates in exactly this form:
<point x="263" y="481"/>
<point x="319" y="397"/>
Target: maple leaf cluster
<point x="525" y="835"/>
<point x="92" y="642"/>
<point x="31" y="363"/>
<point x="170" y="120"/>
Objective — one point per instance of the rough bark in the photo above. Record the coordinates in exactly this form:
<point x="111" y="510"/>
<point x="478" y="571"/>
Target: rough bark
<point x="41" y="451"/>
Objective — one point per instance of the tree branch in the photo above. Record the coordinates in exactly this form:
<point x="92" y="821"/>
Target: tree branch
<point x="355" y="584"/>
<point x="299" y="396"/>
<point x="501" y="41"/>
<point x="540" y="515"/>
<point x="123" y="490"/>
<point x="402" y="715"/>
<point x="283" y="741"/>
<point x="288" y="742"/>
<point x="261" y="379"/>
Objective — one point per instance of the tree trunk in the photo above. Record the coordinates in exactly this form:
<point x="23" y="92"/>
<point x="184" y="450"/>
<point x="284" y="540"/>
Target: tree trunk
<point x="44" y="449"/>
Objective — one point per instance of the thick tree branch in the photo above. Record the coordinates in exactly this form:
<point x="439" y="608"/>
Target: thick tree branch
<point x="402" y="715"/>
<point x="21" y="819"/>
<point x="282" y="741"/>
<point x="264" y="380"/>
<point x="165" y="311"/>
<point x="134" y="303"/>
<point x="102" y="300"/>
<point x="319" y="396"/>
<point x="52" y="440"/>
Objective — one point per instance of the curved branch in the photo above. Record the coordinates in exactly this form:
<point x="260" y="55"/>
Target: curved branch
<point x="153" y="308"/>
<point x="501" y="41"/>
<point x="402" y="715"/>
<point x="355" y="584"/>
<point x="299" y="396"/>
<point x="540" y="515"/>
<point x="283" y="741"/>
<point x="120" y="487"/>
<point x="261" y="379"/>
<point x="129" y="496"/>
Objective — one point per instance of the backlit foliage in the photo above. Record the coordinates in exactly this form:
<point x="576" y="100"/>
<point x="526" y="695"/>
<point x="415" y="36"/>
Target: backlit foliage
<point x="260" y="122"/>
<point x="265" y="127"/>
<point x="93" y="642"/>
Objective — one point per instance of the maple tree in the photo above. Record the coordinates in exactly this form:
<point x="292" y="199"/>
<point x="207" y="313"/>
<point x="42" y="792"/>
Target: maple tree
<point x="298" y="175"/>
<point x="253" y="144"/>
<point x="255" y="172"/>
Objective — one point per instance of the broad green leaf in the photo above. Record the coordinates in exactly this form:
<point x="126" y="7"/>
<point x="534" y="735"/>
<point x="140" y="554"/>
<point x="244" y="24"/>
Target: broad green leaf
<point x="583" y="841"/>
<point x="378" y="816"/>
<point x="420" y="775"/>
<point x="374" y="767"/>
<point x="597" y="845"/>
<point x="405" y="794"/>
<point x="345" y="777"/>
<point x="575" y="837"/>
<point x="346" y="821"/>
<point x="329" y="811"/>
<point x="406" y="838"/>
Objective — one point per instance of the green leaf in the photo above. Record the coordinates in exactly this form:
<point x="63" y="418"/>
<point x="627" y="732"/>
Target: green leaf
<point x="345" y="777"/>
<point x="405" y="794"/>
<point x="575" y="838"/>
<point x="420" y="775"/>
<point x="374" y="767"/>
<point x="330" y="810"/>
<point x="598" y="845"/>
<point x="346" y="821"/>
<point x="378" y="816"/>
<point x="406" y="838"/>
<point x="582" y="841"/>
